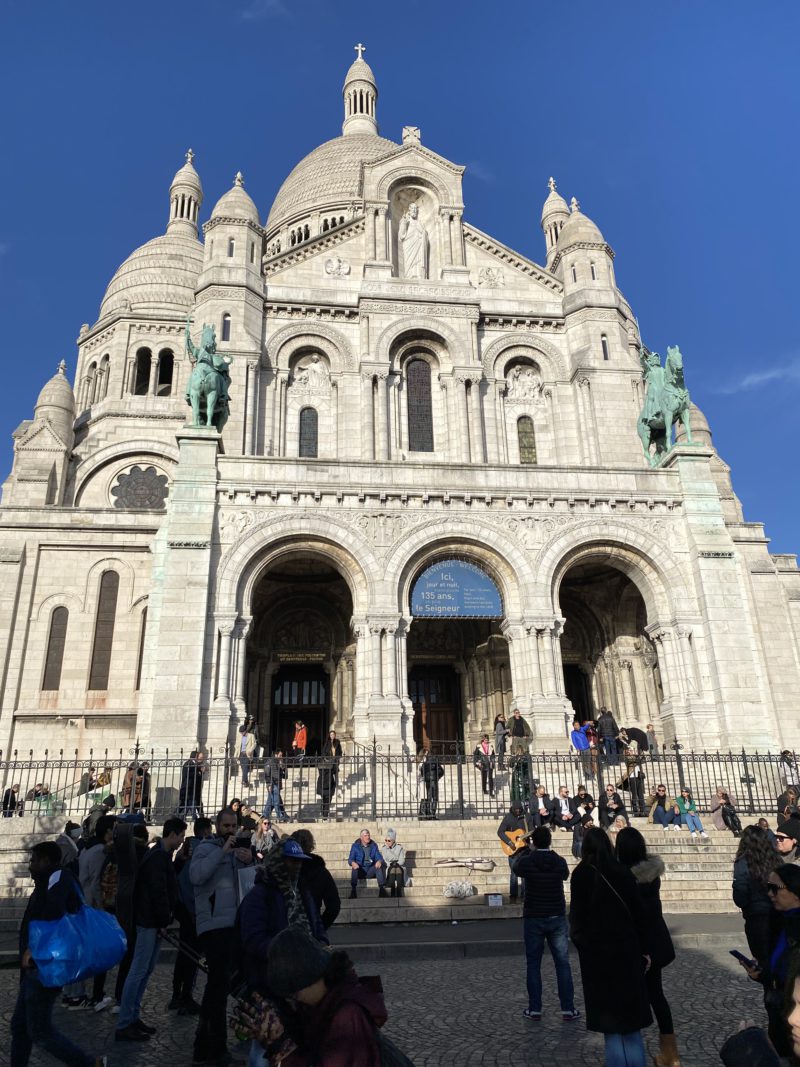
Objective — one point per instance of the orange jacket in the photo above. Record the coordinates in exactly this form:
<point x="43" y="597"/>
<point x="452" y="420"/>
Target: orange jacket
<point x="300" y="738"/>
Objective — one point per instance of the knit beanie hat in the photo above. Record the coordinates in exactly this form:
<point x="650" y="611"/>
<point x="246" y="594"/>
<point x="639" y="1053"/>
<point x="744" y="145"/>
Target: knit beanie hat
<point x="791" y="827"/>
<point x="391" y="835"/>
<point x="294" y="961"/>
<point x="789" y="874"/>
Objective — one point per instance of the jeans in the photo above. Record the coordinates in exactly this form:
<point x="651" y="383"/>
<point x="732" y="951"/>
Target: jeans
<point x="487" y="778"/>
<point x="257" y="1057"/>
<point x="625" y="1050"/>
<point x="144" y="960"/>
<point x="663" y="817"/>
<point x="553" y="930"/>
<point x="378" y="873"/>
<point x="244" y="763"/>
<point x="636" y="785"/>
<point x="273" y="801"/>
<point x="610" y="748"/>
<point x="31" y="1024"/>
<point x="513" y="882"/>
<point x="692" y="821"/>
<point x="211" y="1039"/>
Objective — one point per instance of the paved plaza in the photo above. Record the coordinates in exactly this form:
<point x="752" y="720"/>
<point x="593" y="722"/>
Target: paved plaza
<point x="465" y="1012"/>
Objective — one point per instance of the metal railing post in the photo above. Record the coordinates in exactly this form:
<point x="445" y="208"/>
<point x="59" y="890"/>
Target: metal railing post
<point x="460" y="779"/>
<point x="373" y="772"/>
<point x="748" y="781"/>
<point x="676" y="747"/>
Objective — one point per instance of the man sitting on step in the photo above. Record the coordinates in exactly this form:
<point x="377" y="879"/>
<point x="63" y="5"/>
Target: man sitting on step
<point x="366" y="862"/>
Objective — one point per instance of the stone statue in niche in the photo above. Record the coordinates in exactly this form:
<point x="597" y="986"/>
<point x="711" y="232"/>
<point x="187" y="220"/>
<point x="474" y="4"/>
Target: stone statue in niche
<point x="414" y="242"/>
<point x="141" y="489"/>
<point x="491" y="278"/>
<point x="524" y="384"/>
<point x="313" y="378"/>
<point x="336" y="267"/>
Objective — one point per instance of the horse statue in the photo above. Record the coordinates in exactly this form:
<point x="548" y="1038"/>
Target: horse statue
<point x="666" y="401"/>
<point x="209" y="380"/>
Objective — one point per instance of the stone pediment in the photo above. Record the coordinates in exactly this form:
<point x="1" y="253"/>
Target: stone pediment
<point x="410" y="161"/>
<point x="327" y="245"/>
<point x="494" y="267"/>
<point x="39" y="436"/>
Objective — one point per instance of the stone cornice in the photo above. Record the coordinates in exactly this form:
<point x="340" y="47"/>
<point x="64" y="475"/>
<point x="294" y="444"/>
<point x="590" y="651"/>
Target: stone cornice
<point x="284" y="310"/>
<point x="513" y="259"/>
<point x="412" y="307"/>
<point x="230" y="220"/>
<point x="313" y="246"/>
<point x="410" y="149"/>
<point x="592" y="245"/>
<point x="500" y="321"/>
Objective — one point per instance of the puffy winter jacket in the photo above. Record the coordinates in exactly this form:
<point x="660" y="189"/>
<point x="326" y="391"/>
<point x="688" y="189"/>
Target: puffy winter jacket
<point x="544" y="872"/>
<point x="364" y="856"/>
<point x="215" y="877"/>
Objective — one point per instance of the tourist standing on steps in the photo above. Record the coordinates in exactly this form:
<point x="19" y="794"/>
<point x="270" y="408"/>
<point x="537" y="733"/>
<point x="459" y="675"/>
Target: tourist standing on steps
<point x="483" y="759"/>
<point x="543" y="873"/>
<point x="521" y="734"/>
<point x="247" y="750"/>
<point x="635" y="771"/>
<point x="300" y="740"/>
<point x="608" y="732"/>
<point x="274" y="775"/>
<point x="366" y="862"/>
<point x="155" y="897"/>
<point x="214" y="873"/>
<point x="500" y="737"/>
<point x="55" y="893"/>
<point x="631" y="852"/>
<point x="190" y="794"/>
<point x="755" y="860"/>
<point x="430" y="772"/>
<point x="580" y="742"/>
<point x="514" y="822"/>
<point x="609" y="929"/>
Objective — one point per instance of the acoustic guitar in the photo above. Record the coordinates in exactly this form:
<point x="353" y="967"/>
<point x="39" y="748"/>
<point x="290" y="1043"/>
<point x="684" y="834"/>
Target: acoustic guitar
<point x="520" y="839"/>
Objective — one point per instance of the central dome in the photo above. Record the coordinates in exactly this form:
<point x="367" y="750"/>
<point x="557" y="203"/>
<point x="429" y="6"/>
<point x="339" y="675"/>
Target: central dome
<point x="328" y="177"/>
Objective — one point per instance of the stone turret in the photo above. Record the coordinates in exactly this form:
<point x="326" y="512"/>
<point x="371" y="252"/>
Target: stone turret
<point x="582" y="257"/>
<point x="360" y="94"/>
<point x="185" y="198"/>
<point x="554" y="214"/>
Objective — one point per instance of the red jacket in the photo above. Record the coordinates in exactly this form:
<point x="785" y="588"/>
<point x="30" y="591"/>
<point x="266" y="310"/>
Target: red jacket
<point x="341" y="1028"/>
<point x="300" y="738"/>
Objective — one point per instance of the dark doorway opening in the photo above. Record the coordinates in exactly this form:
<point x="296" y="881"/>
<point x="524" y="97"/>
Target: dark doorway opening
<point x="300" y="693"/>
<point x="576" y="686"/>
<point x="435" y="694"/>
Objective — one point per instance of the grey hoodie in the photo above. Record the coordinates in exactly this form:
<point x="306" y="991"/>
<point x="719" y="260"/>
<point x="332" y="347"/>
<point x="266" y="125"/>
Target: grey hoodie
<point x="215" y="877"/>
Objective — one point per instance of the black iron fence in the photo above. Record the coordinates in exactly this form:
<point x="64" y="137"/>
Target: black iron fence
<point x="370" y="783"/>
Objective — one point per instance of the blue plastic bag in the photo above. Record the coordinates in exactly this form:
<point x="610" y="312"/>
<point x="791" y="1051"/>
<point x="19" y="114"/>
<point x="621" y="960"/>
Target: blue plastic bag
<point x="76" y="946"/>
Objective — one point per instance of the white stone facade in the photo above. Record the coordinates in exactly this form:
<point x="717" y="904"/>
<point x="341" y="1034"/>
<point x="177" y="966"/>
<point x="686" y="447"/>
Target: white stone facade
<point x="404" y="389"/>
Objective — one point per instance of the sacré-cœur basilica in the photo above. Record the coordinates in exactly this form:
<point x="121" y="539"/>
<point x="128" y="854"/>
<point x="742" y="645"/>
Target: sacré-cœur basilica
<point x="428" y="501"/>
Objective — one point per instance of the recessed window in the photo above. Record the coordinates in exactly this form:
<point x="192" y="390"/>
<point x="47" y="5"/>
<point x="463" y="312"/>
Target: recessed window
<point x="231" y="247"/>
<point x="252" y="251"/>
<point x="574" y="274"/>
<point x="604" y="344"/>
<point x="166" y="367"/>
<point x="104" y="631"/>
<point x="226" y="327"/>
<point x="594" y="272"/>
<point x="527" y="439"/>
<point x="141" y="372"/>
<point x="54" y="657"/>
<point x="420" y="407"/>
<point x="309" y="434"/>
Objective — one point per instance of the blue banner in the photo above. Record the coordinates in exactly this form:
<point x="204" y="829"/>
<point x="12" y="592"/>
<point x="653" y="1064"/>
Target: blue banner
<point x="454" y="589"/>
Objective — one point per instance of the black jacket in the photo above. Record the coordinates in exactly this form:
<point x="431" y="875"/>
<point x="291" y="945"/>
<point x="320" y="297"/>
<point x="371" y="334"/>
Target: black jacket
<point x="607" y="815"/>
<point x="749" y="893"/>
<point x="511" y="822"/>
<point x="544" y="872"/>
<point x="607" y="726"/>
<point x="274" y="772"/>
<point x="586" y="801"/>
<point x="555" y="808"/>
<point x="156" y="891"/>
<point x="47" y="904"/>
<point x="318" y="880"/>
<point x="648" y="881"/>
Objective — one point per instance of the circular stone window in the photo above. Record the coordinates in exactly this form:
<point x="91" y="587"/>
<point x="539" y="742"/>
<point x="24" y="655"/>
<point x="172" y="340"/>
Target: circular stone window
<point x="140" y="489"/>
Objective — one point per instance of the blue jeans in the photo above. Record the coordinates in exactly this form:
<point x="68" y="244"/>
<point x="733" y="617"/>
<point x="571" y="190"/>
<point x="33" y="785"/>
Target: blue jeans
<point x="31" y="1024"/>
<point x="273" y="801"/>
<point x="625" y="1050"/>
<point x="610" y="748"/>
<point x="513" y="882"/>
<point x="144" y="960"/>
<point x="378" y="873"/>
<point x="553" y="930"/>
<point x="692" y="821"/>
<point x="257" y="1057"/>
<point x="663" y="817"/>
<point x="244" y="763"/>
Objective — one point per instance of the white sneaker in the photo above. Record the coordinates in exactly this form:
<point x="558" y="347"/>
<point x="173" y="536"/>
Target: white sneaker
<point x="115" y="1009"/>
<point x="704" y="835"/>
<point x="693" y="837"/>
<point x="106" y="1002"/>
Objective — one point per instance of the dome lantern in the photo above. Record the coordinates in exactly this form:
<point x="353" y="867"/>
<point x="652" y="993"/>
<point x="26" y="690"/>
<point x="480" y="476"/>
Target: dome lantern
<point x="554" y="214"/>
<point x="360" y="95"/>
<point x="185" y="198"/>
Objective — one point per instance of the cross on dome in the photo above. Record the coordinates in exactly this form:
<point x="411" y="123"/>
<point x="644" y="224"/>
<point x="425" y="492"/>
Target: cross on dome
<point x="189" y="156"/>
<point x="551" y="184"/>
<point x="360" y="48"/>
<point x="239" y="179"/>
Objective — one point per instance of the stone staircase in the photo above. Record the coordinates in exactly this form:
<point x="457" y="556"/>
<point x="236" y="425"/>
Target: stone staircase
<point x="698" y="878"/>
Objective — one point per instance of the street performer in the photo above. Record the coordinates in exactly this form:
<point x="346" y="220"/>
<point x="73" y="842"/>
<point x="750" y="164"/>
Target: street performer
<point x="512" y="831"/>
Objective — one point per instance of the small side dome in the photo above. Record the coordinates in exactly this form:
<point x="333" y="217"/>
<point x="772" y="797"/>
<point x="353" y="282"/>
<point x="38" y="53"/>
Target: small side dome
<point x="555" y="204"/>
<point x="701" y="431"/>
<point x="56" y="401"/>
<point x="360" y="70"/>
<point x="578" y="229"/>
<point x="236" y="203"/>
<point x="187" y="177"/>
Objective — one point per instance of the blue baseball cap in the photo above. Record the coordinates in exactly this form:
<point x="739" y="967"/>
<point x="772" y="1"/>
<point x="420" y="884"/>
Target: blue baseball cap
<point x="291" y="848"/>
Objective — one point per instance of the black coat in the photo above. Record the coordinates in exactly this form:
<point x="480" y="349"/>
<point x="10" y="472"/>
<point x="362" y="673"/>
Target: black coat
<point x="607" y="726"/>
<point x="49" y="903"/>
<point x="648" y="882"/>
<point x="318" y="880"/>
<point x="156" y="892"/>
<point x="544" y="872"/>
<point x="608" y="927"/>
<point x="607" y="815"/>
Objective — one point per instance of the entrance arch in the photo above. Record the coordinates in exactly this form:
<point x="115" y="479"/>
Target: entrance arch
<point x="300" y="650"/>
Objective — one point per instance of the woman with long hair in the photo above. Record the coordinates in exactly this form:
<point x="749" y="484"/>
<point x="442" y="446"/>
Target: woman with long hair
<point x="755" y="861"/>
<point x="631" y="851"/>
<point x="609" y="929"/>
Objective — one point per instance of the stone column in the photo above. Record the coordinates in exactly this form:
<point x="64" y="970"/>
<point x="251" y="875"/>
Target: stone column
<point x="280" y="443"/>
<point x="537" y="692"/>
<point x="589" y="428"/>
<point x="334" y="436"/>
<point x="360" y="632"/>
<point x="371" y="244"/>
<point x="631" y="709"/>
<point x="687" y="657"/>
<point x="476" y="423"/>
<point x="402" y="402"/>
<point x="462" y="419"/>
<point x="391" y="689"/>
<point x="226" y="628"/>
<point x="502" y="429"/>
<point x="153" y="382"/>
<point x="382" y="236"/>
<point x="376" y="688"/>
<point x="382" y="415"/>
<point x="519" y="676"/>
<point x="545" y="656"/>
<point x="250" y="423"/>
<point x="368" y="409"/>
<point x="556" y="631"/>
<point x="241" y="664"/>
<point x="494" y="453"/>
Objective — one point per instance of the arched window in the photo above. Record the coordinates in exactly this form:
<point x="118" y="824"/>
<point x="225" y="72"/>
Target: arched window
<point x="141" y="372"/>
<point x="166" y="367"/>
<point x="309" y="433"/>
<point x="594" y="272"/>
<point x="420" y="410"/>
<point x="102" y="374"/>
<point x="527" y="439"/>
<point x="91" y="382"/>
<point x="231" y="247"/>
<point x="604" y="344"/>
<point x="574" y="274"/>
<point x="226" y="327"/>
<point x="140" y="656"/>
<point x="252" y="251"/>
<point x="104" y="631"/>
<point x="54" y="657"/>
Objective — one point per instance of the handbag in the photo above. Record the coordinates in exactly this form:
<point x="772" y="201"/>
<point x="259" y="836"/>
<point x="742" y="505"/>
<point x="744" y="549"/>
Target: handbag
<point x="76" y="946"/>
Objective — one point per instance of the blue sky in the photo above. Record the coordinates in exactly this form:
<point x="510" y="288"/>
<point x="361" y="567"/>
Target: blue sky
<point x="674" y="124"/>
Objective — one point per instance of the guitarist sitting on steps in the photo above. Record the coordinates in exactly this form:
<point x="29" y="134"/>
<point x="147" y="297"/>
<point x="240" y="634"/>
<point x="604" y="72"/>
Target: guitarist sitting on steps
<point x="511" y="832"/>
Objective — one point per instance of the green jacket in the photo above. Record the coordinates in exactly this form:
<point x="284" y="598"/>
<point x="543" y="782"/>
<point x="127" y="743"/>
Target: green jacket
<point x="683" y="807"/>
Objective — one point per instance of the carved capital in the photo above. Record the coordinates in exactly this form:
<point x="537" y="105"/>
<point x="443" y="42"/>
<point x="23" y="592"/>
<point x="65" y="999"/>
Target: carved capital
<point x="244" y="626"/>
<point x="226" y="625"/>
<point x="584" y="383"/>
<point x="625" y="665"/>
<point x="684" y="631"/>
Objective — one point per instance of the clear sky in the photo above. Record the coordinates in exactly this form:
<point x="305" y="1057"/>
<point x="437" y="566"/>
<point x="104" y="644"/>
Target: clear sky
<point x="675" y="125"/>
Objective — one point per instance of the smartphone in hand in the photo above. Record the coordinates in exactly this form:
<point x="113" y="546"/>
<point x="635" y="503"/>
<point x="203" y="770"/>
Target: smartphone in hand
<point x="740" y="956"/>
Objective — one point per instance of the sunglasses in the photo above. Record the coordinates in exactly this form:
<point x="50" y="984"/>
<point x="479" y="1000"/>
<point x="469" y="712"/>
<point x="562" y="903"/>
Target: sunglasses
<point x="772" y="888"/>
<point x="782" y="837"/>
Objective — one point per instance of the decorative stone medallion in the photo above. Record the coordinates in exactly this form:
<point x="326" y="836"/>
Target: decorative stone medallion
<point x="141" y="489"/>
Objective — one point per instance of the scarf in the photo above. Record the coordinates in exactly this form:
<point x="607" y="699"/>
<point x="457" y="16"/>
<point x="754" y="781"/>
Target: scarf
<point x="275" y="870"/>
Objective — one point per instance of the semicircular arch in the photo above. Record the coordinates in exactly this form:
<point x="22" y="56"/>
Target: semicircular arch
<point x="282" y="345"/>
<point x="423" y="325"/>
<point x="418" y="175"/>
<point x="122" y="450"/>
<point x="545" y="353"/>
